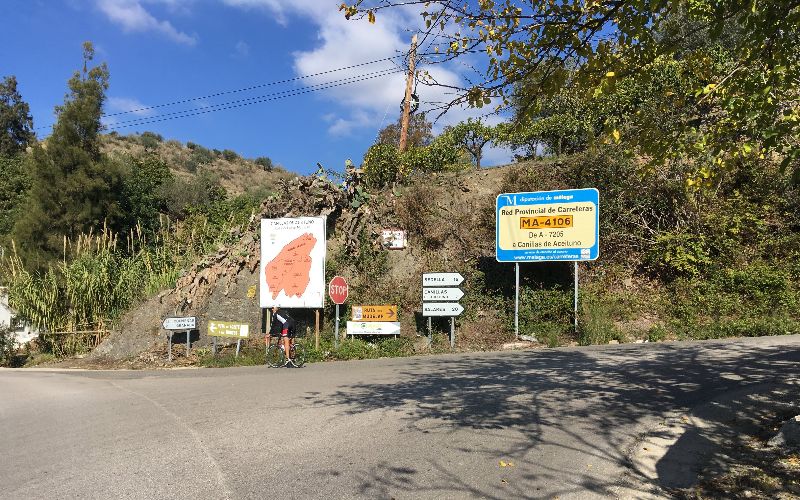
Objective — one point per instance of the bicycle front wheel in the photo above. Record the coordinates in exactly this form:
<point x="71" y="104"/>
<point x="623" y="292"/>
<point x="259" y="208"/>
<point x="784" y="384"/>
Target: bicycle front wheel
<point x="298" y="355"/>
<point x="275" y="356"/>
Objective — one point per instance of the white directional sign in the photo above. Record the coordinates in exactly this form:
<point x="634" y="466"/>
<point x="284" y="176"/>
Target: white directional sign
<point x="441" y="294"/>
<point x="442" y="279"/>
<point x="442" y="309"/>
<point x="189" y="323"/>
<point x="373" y="328"/>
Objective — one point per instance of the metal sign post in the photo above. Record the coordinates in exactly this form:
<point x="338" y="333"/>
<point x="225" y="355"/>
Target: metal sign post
<point x="336" y="329"/>
<point x="169" y="358"/>
<point x="430" y="332"/>
<point x="576" y="297"/>
<point x="188" y="342"/>
<point x="516" y="302"/>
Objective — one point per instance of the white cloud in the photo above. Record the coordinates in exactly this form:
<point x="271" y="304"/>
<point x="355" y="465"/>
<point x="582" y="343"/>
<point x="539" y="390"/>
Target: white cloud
<point x="241" y="49"/>
<point x="345" y="126"/>
<point x="127" y="105"/>
<point x="133" y="17"/>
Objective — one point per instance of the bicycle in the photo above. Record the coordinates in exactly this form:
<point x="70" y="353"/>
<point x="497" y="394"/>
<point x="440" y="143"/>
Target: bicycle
<point x="276" y="354"/>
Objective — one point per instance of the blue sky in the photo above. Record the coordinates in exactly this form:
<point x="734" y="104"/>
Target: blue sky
<point x="161" y="51"/>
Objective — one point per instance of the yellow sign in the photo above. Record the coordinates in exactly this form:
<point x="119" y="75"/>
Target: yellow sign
<point x="545" y="222"/>
<point x="374" y="313"/>
<point x="226" y="329"/>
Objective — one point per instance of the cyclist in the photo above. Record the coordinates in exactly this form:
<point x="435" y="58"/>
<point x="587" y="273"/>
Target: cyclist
<point x="282" y="325"/>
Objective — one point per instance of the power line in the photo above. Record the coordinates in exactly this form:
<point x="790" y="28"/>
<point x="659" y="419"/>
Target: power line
<point x="247" y="102"/>
<point x="243" y="89"/>
<point x="253" y="100"/>
<point x="253" y="87"/>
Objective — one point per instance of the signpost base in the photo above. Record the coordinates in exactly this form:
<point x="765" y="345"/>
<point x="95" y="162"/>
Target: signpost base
<point x="452" y="332"/>
<point x="316" y="327"/>
<point x="430" y="332"/>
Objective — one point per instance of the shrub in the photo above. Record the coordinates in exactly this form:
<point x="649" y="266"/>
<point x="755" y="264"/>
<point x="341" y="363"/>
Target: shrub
<point x="743" y="327"/>
<point x="355" y="349"/>
<point x="384" y="163"/>
<point x="264" y="162"/>
<point x="595" y="324"/>
<point x="657" y="333"/>
<point x="395" y="347"/>
<point x="248" y="356"/>
<point x="150" y="140"/>
<point x="8" y="346"/>
<point x="230" y="155"/>
<point x="679" y="254"/>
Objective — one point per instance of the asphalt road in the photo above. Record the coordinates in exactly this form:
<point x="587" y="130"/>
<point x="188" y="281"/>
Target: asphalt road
<point x="423" y="427"/>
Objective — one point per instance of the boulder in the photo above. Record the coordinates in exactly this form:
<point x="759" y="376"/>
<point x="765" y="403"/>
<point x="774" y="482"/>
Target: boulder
<point x="789" y="435"/>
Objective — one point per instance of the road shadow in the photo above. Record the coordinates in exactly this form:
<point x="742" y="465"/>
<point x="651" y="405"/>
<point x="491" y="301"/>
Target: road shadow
<point x="587" y="401"/>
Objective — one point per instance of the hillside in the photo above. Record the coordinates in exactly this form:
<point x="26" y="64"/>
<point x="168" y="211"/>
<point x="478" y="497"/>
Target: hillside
<point x="237" y="175"/>
<point x="627" y="295"/>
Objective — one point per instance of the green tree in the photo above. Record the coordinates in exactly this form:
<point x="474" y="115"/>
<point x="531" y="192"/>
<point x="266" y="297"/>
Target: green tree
<point x="14" y="185"/>
<point x="144" y="195"/>
<point x="472" y="136"/>
<point x="16" y="123"/>
<point x="75" y="189"/>
<point x="419" y="132"/>
<point x="264" y="162"/>
<point x="745" y="85"/>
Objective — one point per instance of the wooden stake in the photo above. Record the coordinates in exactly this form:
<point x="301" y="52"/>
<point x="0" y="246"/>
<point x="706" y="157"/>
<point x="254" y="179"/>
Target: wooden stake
<point x="412" y="56"/>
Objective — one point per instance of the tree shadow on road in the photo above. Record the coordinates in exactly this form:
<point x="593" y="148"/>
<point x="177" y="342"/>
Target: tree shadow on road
<point x="532" y="406"/>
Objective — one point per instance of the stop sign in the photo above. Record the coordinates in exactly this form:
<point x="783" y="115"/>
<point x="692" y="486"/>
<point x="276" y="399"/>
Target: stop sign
<point x="337" y="290"/>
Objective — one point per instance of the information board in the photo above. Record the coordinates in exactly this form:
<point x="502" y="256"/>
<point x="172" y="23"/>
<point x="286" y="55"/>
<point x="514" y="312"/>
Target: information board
<point x="548" y="226"/>
<point x="292" y="269"/>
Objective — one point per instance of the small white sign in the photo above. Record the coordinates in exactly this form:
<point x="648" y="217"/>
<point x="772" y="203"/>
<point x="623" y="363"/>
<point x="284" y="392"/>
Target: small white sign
<point x="373" y="328"/>
<point x="442" y="309"/>
<point x="393" y="239"/>
<point x="441" y="294"/>
<point x="442" y="279"/>
<point x="189" y="323"/>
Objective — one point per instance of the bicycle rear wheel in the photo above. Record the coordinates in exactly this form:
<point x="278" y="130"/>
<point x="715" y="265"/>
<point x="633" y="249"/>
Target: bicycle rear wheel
<point x="275" y="356"/>
<point x="298" y="355"/>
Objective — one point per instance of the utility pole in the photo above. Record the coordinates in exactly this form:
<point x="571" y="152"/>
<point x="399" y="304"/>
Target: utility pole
<point x="412" y="56"/>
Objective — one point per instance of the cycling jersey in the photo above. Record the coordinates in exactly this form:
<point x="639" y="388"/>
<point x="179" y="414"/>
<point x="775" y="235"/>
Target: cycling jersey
<point x="282" y="324"/>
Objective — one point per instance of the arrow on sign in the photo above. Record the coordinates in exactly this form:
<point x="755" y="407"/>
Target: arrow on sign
<point x="442" y="279"/>
<point x="442" y="309"/>
<point x="447" y="294"/>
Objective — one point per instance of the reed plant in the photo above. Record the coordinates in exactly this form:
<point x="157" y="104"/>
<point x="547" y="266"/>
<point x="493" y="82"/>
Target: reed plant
<point x="100" y="276"/>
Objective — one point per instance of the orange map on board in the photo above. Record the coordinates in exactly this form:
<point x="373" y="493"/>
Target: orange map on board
<point x="290" y="270"/>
